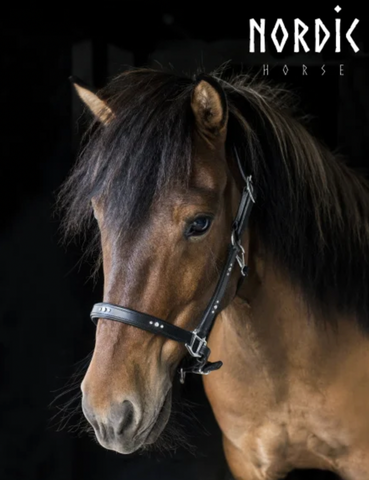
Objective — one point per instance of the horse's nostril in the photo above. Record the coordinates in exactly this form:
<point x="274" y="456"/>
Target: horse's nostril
<point x="117" y="423"/>
<point x="122" y="416"/>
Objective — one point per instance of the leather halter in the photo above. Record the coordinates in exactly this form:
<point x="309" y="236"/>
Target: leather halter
<point x="196" y="340"/>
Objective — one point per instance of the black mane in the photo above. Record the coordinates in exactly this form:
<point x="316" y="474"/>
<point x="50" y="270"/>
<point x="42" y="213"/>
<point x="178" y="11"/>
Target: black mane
<point x="312" y="212"/>
<point x="144" y="150"/>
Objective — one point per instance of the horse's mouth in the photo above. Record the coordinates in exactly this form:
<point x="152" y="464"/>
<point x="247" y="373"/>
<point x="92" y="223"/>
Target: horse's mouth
<point x="161" y="420"/>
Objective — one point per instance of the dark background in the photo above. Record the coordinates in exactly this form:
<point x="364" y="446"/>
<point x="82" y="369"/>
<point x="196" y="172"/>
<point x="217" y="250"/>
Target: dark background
<point x="46" y="294"/>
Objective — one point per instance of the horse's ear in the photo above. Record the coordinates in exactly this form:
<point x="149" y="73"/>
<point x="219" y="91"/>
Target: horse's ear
<point x="96" y="105"/>
<point x="209" y="105"/>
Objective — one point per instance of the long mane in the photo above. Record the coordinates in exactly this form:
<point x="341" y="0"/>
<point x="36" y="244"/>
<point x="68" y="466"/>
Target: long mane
<point x="312" y="211"/>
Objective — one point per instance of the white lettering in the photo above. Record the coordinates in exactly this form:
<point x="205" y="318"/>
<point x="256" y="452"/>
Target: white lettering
<point x="265" y="69"/>
<point x="299" y="36"/>
<point x="338" y="35"/>
<point x="342" y="73"/>
<point x="320" y="25"/>
<point x="261" y="29"/>
<point x="280" y="36"/>
<point x="349" y="38"/>
<point x="323" y="70"/>
<point x="304" y="70"/>
<point x="279" y="46"/>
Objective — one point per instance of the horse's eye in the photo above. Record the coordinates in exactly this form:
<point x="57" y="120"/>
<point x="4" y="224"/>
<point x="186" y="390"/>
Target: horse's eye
<point x="198" y="227"/>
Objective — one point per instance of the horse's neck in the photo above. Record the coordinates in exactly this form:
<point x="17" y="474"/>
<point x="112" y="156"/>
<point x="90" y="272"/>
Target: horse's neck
<point x="289" y="382"/>
<point x="271" y="326"/>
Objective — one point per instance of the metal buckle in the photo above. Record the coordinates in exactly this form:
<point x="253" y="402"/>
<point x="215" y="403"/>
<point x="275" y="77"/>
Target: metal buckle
<point x="240" y="258"/>
<point x="202" y="342"/>
<point x="250" y="187"/>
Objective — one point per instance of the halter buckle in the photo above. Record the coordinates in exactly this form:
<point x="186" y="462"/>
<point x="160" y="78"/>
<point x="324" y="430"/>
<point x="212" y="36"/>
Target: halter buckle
<point x="240" y="257"/>
<point x="241" y="260"/>
<point x="250" y="188"/>
<point x="193" y="348"/>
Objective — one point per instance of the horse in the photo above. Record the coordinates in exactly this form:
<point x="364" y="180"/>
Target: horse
<point x="230" y="233"/>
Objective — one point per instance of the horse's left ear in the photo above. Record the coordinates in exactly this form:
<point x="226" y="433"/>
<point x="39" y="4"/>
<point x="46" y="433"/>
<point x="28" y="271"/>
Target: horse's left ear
<point x="209" y="105"/>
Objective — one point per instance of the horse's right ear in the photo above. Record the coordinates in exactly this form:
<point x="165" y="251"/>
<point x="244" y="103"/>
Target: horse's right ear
<point x="98" y="107"/>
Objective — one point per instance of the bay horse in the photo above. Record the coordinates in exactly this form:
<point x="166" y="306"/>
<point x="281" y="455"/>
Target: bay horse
<point x="190" y="180"/>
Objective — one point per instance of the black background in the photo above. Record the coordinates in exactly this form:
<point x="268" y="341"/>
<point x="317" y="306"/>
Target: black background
<point x="46" y="294"/>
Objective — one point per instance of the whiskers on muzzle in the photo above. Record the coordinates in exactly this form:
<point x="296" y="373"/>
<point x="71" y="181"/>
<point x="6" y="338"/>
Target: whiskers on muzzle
<point x="67" y="403"/>
<point x="182" y="426"/>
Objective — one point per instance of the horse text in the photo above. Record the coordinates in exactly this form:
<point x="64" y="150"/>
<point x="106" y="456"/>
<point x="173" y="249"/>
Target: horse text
<point x="305" y="69"/>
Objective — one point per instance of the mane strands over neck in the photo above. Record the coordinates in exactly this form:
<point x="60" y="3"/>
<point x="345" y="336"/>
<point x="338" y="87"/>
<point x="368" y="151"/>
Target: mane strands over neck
<point x="312" y="211"/>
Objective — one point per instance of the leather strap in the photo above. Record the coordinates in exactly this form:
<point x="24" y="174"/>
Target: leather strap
<point x="196" y="345"/>
<point x="141" y="320"/>
<point x="235" y="249"/>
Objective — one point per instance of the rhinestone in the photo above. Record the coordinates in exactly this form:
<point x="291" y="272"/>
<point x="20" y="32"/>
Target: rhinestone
<point x="217" y="301"/>
<point x="213" y="311"/>
<point x="338" y="9"/>
<point x="151" y="323"/>
<point x="215" y="307"/>
<point x="156" y="324"/>
<point x="161" y="326"/>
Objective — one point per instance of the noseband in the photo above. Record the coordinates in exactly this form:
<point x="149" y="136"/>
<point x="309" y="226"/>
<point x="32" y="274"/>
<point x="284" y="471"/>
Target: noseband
<point x="196" y="340"/>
